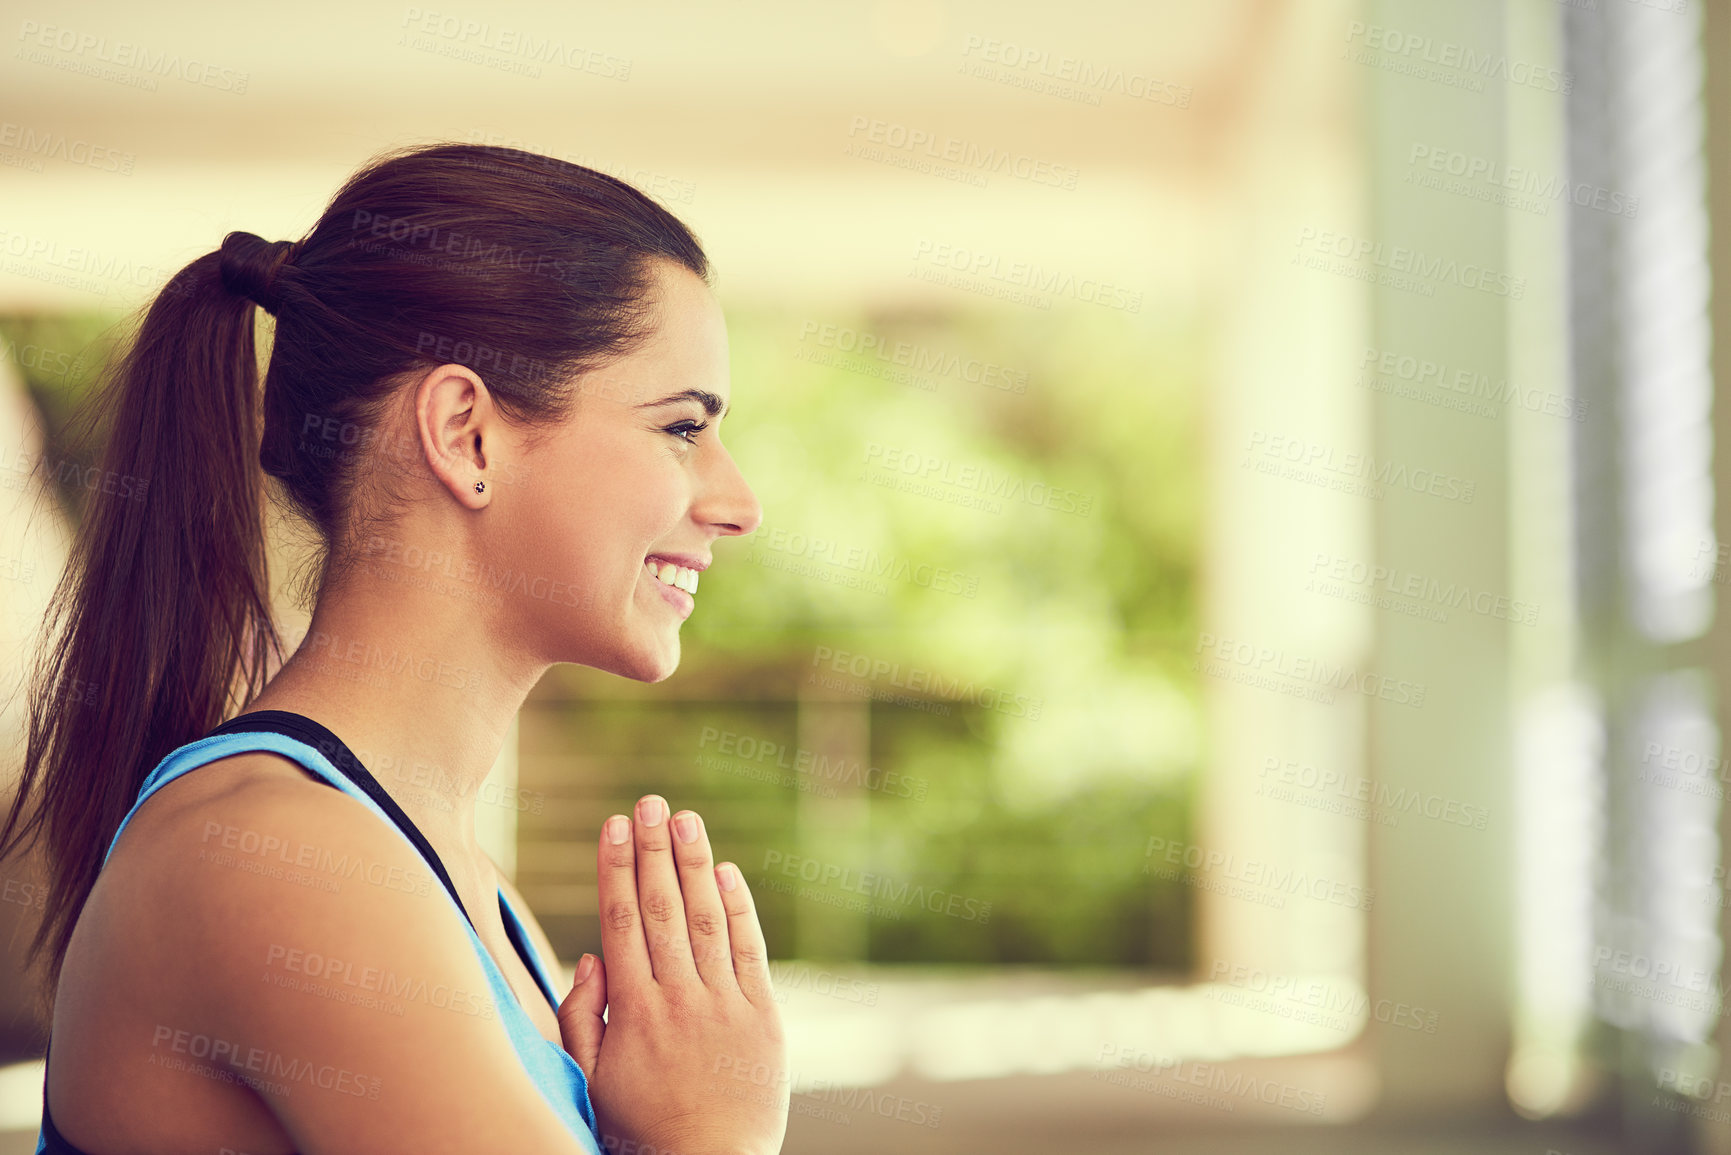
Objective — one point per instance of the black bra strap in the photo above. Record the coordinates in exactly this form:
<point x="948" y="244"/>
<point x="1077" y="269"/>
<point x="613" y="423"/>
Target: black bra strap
<point x="304" y="729"/>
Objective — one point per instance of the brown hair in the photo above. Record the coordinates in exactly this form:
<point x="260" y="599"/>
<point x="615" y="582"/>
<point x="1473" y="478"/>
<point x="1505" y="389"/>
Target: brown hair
<point x="527" y="269"/>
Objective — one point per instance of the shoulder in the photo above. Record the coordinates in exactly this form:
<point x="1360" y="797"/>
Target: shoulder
<point x="282" y="925"/>
<point x="252" y="846"/>
<point x="260" y="815"/>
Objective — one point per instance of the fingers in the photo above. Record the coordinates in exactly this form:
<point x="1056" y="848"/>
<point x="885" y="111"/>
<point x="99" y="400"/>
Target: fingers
<point x="750" y="954"/>
<point x="667" y="913"/>
<point x="705" y="917"/>
<point x="659" y="896"/>
<point x="622" y="938"/>
<point x="581" y="1026"/>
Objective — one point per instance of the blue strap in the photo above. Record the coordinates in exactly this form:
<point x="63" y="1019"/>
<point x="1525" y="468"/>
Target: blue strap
<point x="519" y="934"/>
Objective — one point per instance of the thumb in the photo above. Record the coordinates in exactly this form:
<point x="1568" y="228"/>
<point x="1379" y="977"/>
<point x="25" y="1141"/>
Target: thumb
<point x="580" y="1023"/>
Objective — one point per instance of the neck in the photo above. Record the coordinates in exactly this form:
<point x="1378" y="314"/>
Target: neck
<point x="411" y="680"/>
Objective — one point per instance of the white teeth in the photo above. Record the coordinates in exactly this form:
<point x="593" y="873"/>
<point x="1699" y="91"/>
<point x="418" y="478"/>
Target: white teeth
<point x="678" y="576"/>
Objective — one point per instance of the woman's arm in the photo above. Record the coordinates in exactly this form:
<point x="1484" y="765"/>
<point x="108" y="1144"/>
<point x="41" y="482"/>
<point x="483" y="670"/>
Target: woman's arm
<point x="264" y="950"/>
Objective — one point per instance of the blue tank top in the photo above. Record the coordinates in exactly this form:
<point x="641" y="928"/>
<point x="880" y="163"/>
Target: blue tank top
<point x="555" y="1073"/>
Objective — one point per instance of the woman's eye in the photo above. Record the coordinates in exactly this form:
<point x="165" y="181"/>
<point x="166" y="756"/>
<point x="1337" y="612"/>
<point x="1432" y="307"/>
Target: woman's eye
<point x="686" y="430"/>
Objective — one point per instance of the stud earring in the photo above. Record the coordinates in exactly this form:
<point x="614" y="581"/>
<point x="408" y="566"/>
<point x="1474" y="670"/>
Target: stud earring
<point x="480" y="487"/>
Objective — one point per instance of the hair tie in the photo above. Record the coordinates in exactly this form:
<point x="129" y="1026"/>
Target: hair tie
<point x="250" y="265"/>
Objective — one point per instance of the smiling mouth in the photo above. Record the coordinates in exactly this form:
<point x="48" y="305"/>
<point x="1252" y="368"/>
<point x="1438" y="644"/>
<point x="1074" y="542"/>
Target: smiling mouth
<point x="672" y="574"/>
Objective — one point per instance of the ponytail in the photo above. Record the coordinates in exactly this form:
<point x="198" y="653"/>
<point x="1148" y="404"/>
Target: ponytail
<point x="160" y="626"/>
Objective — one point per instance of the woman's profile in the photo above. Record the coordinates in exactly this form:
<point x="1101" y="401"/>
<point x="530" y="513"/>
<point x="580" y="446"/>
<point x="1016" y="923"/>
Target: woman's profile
<point x="494" y="391"/>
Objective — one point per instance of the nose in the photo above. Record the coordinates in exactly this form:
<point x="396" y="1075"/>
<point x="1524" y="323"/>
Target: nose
<point x="727" y="503"/>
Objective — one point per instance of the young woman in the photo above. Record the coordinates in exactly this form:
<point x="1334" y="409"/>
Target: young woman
<point x="494" y="392"/>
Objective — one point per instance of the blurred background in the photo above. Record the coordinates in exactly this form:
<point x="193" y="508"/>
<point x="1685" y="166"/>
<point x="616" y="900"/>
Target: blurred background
<point x="1231" y="662"/>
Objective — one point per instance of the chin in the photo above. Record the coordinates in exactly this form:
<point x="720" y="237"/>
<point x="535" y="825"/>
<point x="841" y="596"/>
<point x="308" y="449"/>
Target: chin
<point x="655" y="663"/>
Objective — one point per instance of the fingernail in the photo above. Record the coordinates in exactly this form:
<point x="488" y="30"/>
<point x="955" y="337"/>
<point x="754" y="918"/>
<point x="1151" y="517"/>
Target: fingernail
<point x="618" y="829"/>
<point x="728" y="875"/>
<point x="585" y="968"/>
<point x="685" y="825"/>
<point x="651" y="810"/>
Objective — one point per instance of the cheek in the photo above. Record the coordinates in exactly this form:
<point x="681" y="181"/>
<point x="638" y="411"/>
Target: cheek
<point x="600" y="504"/>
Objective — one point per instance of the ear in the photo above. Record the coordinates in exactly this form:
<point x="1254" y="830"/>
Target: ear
<point x="456" y="423"/>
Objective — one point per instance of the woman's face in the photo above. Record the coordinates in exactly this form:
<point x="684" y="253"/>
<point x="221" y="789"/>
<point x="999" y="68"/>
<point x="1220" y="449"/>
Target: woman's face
<point x="617" y="507"/>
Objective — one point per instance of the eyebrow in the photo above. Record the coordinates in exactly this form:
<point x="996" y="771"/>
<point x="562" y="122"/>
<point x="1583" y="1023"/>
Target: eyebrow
<point x="712" y="404"/>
